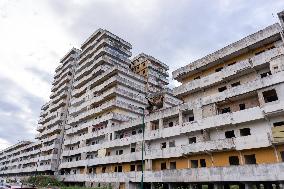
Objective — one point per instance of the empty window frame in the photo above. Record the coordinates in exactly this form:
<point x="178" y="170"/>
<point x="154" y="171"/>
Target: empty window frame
<point x="191" y="118"/>
<point x="242" y="106"/>
<point x="230" y="134"/>
<point x="250" y="159"/>
<point x="218" y="69"/>
<point x="221" y="89"/>
<point x="235" y="84"/>
<point x="192" y="140"/>
<point x="198" y="77"/>
<point x="163" y="166"/>
<point x="163" y="145"/>
<point x="265" y="74"/>
<point x="234" y="160"/>
<point x="202" y="162"/>
<point x="225" y="110"/>
<point x="171" y="124"/>
<point x="270" y="96"/>
<point x="245" y="132"/>
<point x="132" y="167"/>
<point x="194" y="163"/>
<point x="173" y="165"/>
<point x="278" y="124"/>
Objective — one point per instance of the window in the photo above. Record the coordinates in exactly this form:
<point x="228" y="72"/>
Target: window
<point x="191" y="118"/>
<point x="245" y="132"/>
<point x="119" y="168"/>
<point x="234" y="160"/>
<point x="163" y="166"/>
<point x="235" y="84"/>
<point x="192" y="140"/>
<point x="119" y="152"/>
<point x="132" y="167"/>
<point x="172" y="143"/>
<point x="90" y="170"/>
<point x="139" y="167"/>
<point x="278" y="124"/>
<point x="132" y="149"/>
<point x="230" y="134"/>
<point x="257" y="53"/>
<point x="171" y="124"/>
<point x="198" y="77"/>
<point x="163" y="145"/>
<point x="194" y="163"/>
<point x="250" y="159"/>
<point x="221" y="89"/>
<point x="219" y="69"/>
<point x="202" y="163"/>
<point x="282" y="155"/>
<point x="172" y="165"/>
<point x="265" y="74"/>
<point x="242" y="106"/>
<point x="225" y="110"/>
<point x="103" y="169"/>
<point x="133" y="132"/>
<point x="269" y="96"/>
<point x="232" y="63"/>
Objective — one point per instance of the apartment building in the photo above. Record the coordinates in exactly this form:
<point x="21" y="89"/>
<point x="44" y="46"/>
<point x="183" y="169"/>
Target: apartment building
<point x="222" y="127"/>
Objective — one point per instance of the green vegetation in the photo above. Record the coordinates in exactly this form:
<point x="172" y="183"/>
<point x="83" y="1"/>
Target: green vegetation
<point x="43" y="181"/>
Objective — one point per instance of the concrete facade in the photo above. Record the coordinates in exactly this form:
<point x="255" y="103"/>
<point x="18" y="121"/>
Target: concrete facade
<point x="222" y="126"/>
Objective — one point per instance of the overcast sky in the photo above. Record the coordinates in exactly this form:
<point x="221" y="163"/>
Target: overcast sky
<point x="35" y="34"/>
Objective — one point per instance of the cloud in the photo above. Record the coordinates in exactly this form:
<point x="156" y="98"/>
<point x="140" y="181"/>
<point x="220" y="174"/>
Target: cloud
<point x="35" y="34"/>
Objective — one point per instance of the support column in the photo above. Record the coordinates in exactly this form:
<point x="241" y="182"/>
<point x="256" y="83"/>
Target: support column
<point x="161" y="123"/>
<point x="180" y="118"/>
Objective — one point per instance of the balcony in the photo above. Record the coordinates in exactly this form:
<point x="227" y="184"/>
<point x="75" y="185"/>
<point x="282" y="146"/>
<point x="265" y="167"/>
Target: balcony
<point x="261" y="172"/>
<point x="227" y="72"/>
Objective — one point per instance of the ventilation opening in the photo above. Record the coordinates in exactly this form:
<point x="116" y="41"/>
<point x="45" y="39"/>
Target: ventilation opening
<point x="250" y="159"/>
<point x="245" y="132"/>
<point x="270" y="96"/>
<point x="234" y="160"/>
<point x="229" y="134"/>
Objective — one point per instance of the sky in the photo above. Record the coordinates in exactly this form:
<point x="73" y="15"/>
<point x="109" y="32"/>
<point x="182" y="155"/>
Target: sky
<point x="36" y="34"/>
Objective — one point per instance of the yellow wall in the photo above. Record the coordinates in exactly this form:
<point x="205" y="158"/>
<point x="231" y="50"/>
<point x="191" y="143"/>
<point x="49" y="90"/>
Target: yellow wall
<point x="262" y="155"/>
<point x="222" y="158"/>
